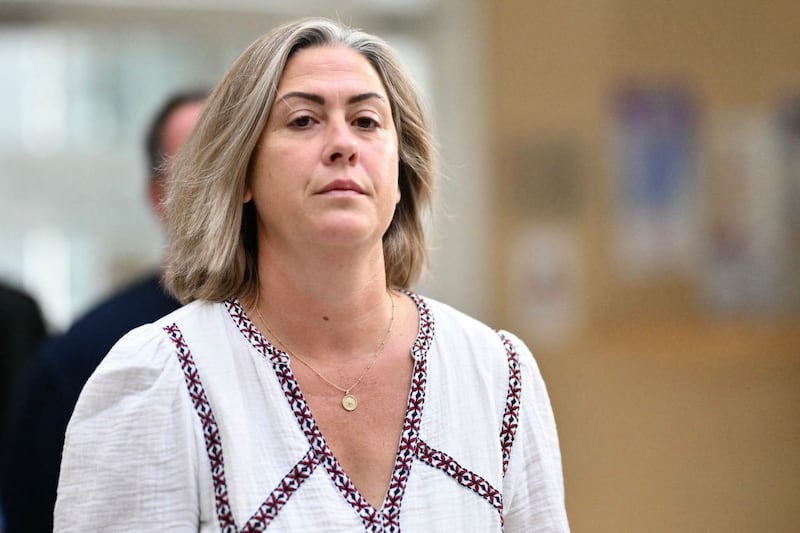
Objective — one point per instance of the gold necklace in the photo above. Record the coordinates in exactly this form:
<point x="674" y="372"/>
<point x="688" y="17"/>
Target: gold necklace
<point x="349" y="401"/>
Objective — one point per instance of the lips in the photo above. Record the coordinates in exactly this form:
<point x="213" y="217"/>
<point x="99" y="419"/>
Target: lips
<point x="342" y="185"/>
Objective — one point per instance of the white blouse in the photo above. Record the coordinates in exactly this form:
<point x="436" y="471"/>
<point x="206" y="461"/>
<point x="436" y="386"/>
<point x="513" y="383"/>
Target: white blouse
<point x="196" y="423"/>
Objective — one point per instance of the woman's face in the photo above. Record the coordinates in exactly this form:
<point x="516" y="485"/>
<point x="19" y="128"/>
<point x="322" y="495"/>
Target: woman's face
<point x="326" y="167"/>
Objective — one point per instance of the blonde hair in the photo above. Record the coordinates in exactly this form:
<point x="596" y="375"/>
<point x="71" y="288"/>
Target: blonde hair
<point x="213" y="247"/>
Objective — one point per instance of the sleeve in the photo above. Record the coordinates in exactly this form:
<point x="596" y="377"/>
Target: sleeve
<point x="130" y="454"/>
<point x="533" y="489"/>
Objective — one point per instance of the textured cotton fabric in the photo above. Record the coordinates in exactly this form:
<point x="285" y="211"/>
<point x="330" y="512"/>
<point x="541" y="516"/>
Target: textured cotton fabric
<point x="196" y="423"/>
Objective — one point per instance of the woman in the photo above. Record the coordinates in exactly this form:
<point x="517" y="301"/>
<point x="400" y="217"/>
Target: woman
<point x="305" y="387"/>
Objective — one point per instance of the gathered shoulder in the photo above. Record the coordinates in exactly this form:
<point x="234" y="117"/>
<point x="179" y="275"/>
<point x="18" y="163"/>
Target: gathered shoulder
<point x="144" y="339"/>
<point x="455" y="325"/>
<point x="447" y="316"/>
<point x="140" y="362"/>
<point x="115" y="448"/>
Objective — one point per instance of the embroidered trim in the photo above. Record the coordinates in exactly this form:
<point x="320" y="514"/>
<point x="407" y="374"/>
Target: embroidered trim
<point x="466" y="478"/>
<point x="511" y="413"/>
<point x="387" y="518"/>
<point x="252" y="334"/>
<point x="278" y="497"/>
<point x="210" y="429"/>
<point x="426" y="329"/>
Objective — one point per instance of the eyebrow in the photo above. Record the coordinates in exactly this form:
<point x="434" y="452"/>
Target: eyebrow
<point x="318" y="99"/>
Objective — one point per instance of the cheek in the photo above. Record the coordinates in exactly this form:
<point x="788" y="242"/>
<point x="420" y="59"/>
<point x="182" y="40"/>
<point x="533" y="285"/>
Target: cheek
<point x="265" y="165"/>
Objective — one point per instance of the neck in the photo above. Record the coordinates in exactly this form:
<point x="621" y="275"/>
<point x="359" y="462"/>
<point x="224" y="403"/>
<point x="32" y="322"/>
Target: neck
<point x="325" y="309"/>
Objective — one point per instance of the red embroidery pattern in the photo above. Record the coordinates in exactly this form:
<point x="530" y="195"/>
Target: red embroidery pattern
<point x="511" y="413"/>
<point x="252" y="334"/>
<point x="441" y="461"/>
<point x="390" y="512"/>
<point x="278" y="497"/>
<point x="210" y="429"/>
<point x="416" y="402"/>
<point x="386" y="519"/>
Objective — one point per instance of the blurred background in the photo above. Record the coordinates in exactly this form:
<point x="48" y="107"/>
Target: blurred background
<point x="621" y="188"/>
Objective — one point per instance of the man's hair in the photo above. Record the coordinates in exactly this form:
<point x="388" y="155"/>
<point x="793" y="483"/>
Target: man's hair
<point x="213" y="246"/>
<point x="154" y="140"/>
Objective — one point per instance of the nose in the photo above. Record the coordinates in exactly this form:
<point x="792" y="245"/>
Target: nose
<point x="341" y="146"/>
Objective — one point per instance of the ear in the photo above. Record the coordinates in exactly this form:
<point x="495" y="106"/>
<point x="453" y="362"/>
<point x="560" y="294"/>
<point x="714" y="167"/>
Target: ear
<point x="248" y="194"/>
<point x="155" y="193"/>
<point x="397" y="180"/>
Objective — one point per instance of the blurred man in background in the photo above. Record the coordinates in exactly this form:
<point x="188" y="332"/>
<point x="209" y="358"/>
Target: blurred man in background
<point x="35" y="435"/>
<point x="22" y="328"/>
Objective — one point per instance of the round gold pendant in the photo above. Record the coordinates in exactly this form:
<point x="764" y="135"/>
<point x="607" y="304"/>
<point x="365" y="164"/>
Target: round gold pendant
<point x="349" y="402"/>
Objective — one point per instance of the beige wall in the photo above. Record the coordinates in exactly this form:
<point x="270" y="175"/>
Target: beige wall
<point x="672" y="418"/>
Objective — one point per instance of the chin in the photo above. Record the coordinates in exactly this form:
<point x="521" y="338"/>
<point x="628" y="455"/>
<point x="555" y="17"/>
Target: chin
<point x="349" y="227"/>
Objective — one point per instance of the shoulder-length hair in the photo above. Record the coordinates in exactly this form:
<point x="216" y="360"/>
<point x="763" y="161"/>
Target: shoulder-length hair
<point x="212" y="233"/>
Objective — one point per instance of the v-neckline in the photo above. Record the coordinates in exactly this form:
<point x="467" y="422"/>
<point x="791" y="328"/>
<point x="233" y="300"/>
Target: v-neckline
<point x="407" y="444"/>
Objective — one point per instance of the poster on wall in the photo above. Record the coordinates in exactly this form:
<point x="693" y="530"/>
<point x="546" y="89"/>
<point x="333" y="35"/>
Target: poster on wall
<point x="655" y="161"/>
<point x="545" y="200"/>
<point x="744" y="253"/>
<point x="546" y="282"/>
<point x="789" y="145"/>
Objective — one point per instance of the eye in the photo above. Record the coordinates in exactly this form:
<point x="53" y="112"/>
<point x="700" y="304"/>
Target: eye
<point x="302" y="122"/>
<point x="366" y="123"/>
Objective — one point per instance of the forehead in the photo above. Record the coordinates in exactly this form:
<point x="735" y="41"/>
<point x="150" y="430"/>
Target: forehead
<point x="330" y="66"/>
